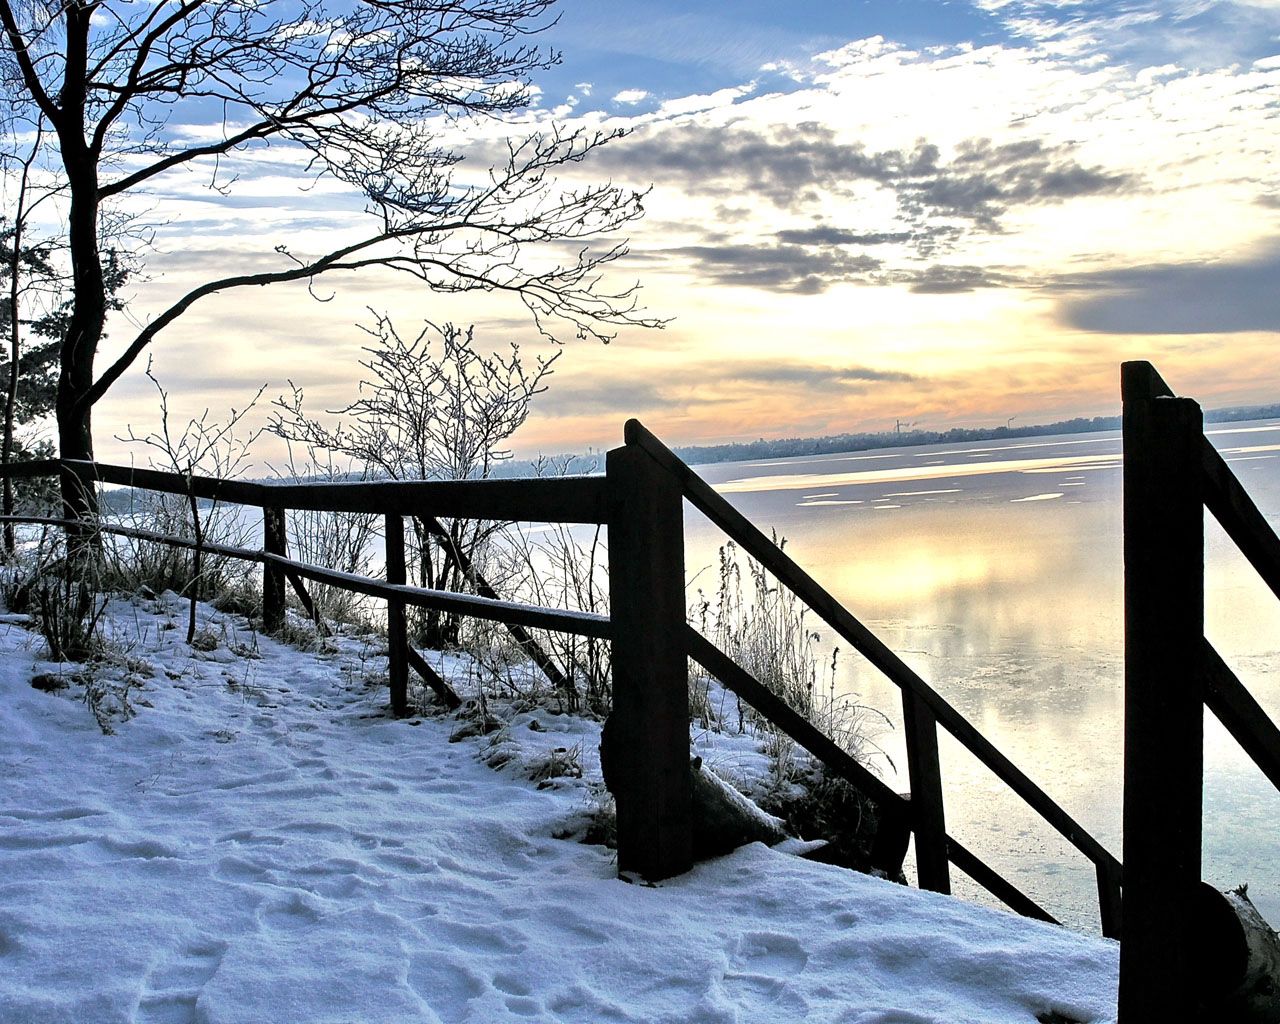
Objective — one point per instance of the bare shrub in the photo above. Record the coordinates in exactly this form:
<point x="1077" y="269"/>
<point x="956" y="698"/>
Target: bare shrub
<point x="559" y="567"/>
<point x="431" y="407"/>
<point x="336" y="540"/>
<point x="204" y="446"/>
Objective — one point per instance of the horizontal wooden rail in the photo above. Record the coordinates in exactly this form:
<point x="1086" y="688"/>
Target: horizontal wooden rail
<point x="786" y="571"/>
<point x="1239" y="516"/>
<point x="568" y="499"/>
<point x="1243" y="716"/>
<point x="556" y="619"/>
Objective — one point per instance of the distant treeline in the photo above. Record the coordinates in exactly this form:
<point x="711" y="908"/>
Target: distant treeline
<point x="791" y="447"/>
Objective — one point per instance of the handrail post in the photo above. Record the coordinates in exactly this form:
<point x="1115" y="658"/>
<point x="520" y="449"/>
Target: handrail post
<point x="274" y="542"/>
<point x="645" y="748"/>
<point x="397" y="630"/>
<point x="1164" y="716"/>
<point x="924" y="768"/>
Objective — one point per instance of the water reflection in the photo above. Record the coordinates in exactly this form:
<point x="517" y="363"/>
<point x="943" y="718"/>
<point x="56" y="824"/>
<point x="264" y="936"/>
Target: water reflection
<point x="1000" y="582"/>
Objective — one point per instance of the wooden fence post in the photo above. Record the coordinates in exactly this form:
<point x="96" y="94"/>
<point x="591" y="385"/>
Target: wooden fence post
<point x="1164" y="714"/>
<point x="646" y="743"/>
<point x="925" y="771"/>
<point x="274" y="542"/>
<point x="397" y="631"/>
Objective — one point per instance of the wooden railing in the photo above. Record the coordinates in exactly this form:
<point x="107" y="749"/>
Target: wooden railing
<point x="1171" y="474"/>
<point x="923" y="710"/>
<point x="641" y="501"/>
<point x="561" y="499"/>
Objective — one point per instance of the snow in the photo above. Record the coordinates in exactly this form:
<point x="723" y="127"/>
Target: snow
<point x="261" y="842"/>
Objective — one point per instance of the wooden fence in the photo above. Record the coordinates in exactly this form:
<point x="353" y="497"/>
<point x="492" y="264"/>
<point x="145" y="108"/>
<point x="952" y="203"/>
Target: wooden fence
<point x="1171" y="474"/>
<point x="563" y="499"/>
<point x="641" y="501"/>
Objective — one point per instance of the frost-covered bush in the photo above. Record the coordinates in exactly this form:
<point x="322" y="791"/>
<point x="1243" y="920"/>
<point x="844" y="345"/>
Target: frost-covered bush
<point x="766" y="629"/>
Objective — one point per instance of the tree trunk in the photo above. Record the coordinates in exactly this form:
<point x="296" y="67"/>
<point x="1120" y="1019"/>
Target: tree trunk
<point x="89" y="300"/>
<point x="84" y="328"/>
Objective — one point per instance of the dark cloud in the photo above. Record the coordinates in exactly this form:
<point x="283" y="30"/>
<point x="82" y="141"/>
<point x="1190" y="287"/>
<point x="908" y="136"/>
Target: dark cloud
<point x="780" y="268"/>
<point x="1180" y="298"/>
<point x="811" y="270"/>
<point x="826" y="235"/>
<point x="798" y="167"/>
<point x="1271" y="200"/>
<point x="984" y="180"/>
<point x="947" y="279"/>
<point x="817" y="378"/>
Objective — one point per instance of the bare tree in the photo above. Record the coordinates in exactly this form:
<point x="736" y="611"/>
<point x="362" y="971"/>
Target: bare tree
<point x="365" y="89"/>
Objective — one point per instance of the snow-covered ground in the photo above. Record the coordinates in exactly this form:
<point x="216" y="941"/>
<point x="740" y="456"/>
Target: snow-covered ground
<point x="262" y="844"/>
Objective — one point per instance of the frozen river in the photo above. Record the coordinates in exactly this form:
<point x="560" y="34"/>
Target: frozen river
<point x="995" y="570"/>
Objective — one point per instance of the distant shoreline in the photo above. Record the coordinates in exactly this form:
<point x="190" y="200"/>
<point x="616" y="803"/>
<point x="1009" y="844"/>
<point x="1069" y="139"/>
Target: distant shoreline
<point x="835" y="443"/>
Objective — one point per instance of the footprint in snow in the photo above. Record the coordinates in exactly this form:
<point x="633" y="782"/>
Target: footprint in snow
<point x="480" y="939"/>
<point x="56" y="814"/>
<point x="443" y="985"/>
<point x="171" y="990"/>
<point x="296" y="910"/>
<point x="770" y="953"/>
<point x="764" y="966"/>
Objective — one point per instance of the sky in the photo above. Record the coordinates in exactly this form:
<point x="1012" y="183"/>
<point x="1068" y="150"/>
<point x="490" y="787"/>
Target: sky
<point x="860" y="214"/>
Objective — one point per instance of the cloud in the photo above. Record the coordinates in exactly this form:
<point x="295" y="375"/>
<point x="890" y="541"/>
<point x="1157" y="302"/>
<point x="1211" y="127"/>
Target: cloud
<point x="983" y="180"/>
<point x="800" y="168"/>
<point x="728" y="382"/>
<point x="827" y="235"/>
<point x="817" y="377"/>
<point x="1144" y="33"/>
<point x="1222" y="297"/>
<point x="950" y="279"/>
<point x="630" y="95"/>
<point x="781" y="268"/>
<point x="806" y="270"/>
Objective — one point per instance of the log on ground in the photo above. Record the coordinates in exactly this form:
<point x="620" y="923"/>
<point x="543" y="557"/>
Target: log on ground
<point x="1239" y="954"/>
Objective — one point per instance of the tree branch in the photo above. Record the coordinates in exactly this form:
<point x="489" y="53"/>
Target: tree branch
<point x="30" y="75"/>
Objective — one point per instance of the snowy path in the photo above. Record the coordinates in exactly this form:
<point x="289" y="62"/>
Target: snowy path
<point x="262" y="844"/>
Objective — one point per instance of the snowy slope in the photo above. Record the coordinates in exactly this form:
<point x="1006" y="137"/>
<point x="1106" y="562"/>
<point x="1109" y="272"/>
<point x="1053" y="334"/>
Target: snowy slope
<point x="263" y="844"/>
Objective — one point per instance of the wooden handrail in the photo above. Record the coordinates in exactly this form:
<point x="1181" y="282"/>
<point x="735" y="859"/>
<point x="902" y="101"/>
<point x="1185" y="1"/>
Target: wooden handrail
<point x="996" y="884"/>
<point x="1243" y="716"/>
<point x="1239" y="516"/>
<point x="556" y="619"/>
<point x="567" y="499"/>
<point x="790" y="721"/>
<point x="786" y="571"/>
